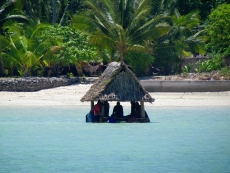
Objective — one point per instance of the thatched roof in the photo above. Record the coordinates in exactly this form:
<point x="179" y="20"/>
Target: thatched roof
<point x="117" y="83"/>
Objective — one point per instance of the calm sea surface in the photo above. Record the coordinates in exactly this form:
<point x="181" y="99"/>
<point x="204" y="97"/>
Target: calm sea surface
<point x="57" y="139"/>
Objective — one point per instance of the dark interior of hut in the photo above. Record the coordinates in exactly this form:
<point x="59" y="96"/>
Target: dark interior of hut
<point x="99" y="113"/>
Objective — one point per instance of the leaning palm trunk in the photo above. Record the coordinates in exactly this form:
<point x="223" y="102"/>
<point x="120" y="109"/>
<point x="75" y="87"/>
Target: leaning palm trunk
<point x="2" y="70"/>
<point x="63" y="16"/>
<point x="122" y="59"/>
<point x="26" y="70"/>
<point x="79" y="69"/>
<point x="54" y="11"/>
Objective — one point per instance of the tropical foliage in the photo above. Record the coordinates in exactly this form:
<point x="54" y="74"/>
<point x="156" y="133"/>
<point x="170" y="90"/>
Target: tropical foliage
<point x="204" y="6"/>
<point x="121" y="25"/>
<point x="218" y="29"/>
<point x="139" y="62"/>
<point x="74" y="49"/>
<point x="215" y="63"/>
<point x="184" y="39"/>
<point x="41" y="36"/>
<point x="10" y="10"/>
<point x="23" y="47"/>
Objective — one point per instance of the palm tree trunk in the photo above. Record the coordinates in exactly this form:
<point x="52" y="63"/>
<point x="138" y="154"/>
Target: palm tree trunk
<point x="54" y="11"/>
<point x="122" y="59"/>
<point x="26" y="8"/>
<point x="62" y="19"/>
<point x="121" y="52"/>
<point x="2" y="70"/>
<point x="79" y="69"/>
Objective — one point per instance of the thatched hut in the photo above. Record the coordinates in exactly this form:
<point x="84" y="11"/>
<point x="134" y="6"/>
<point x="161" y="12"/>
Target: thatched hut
<point x="118" y="83"/>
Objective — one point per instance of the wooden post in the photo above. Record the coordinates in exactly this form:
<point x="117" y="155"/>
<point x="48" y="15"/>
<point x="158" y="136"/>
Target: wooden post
<point x="103" y="109"/>
<point x="142" y="110"/>
<point x="92" y="104"/>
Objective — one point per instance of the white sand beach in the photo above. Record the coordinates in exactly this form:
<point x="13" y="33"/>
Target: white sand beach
<point x="71" y="95"/>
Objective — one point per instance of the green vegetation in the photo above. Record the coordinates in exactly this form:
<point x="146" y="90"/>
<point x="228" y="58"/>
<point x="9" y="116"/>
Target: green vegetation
<point x="121" y="26"/>
<point x="44" y="37"/>
<point x="74" y="49"/>
<point x="225" y="72"/>
<point x="212" y="64"/>
<point x="139" y="62"/>
<point x="218" y="29"/>
<point x="187" y="69"/>
<point x="184" y="39"/>
<point x="23" y="48"/>
<point x="204" y="6"/>
<point x="216" y="62"/>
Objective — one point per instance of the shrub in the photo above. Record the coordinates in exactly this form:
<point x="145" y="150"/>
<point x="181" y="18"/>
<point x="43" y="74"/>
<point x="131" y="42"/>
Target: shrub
<point x="218" y="28"/>
<point x="224" y="71"/>
<point x="215" y="63"/>
<point x="139" y="62"/>
<point x="187" y="69"/>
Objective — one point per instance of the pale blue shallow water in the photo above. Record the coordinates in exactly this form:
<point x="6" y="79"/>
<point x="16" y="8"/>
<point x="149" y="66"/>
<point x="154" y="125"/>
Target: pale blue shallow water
<point x="57" y="139"/>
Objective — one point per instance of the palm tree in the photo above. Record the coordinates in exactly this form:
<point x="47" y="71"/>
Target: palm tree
<point x="187" y="34"/>
<point x="121" y="25"/>
<point x="5" y="12"/>
<point x="163" y="7"/>
<point x="5" y="15"/>
<point x="49" y="11"/>
<point x="184" y="39"/>
<point x="9" y="55"/>
<point x="24" y="45"/>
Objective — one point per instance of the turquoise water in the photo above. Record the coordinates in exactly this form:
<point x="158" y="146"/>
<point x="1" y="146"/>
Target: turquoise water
<point x="57" y="139"/>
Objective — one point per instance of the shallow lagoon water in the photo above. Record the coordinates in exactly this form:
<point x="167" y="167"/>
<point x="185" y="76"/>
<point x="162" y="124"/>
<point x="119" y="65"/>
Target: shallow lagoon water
<point x="57" y="139"/>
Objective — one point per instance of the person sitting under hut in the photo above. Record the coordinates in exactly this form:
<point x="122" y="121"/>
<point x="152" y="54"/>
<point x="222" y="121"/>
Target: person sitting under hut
<point x="137" y="110"/>
<point x="97" y="111"/>
<point x="89" y="116"/>
<point x="132" y="108"/>
<point x="118" y="110"/>
<point x="106" y="109"/>
<point x="112" y="119"/>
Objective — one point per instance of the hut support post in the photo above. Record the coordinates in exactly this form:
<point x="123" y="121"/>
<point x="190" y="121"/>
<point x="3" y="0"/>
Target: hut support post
<point x="142" y="110"/>
<point x="103" y="109"/>
<point x="92" y="105"/>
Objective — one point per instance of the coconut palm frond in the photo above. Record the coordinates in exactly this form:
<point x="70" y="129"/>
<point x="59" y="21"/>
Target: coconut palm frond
<point x="136" y="48"/>
<point x="29" y="58"/>
<point x="13" y="28"/>
<point x="24" y="42"/>
<point x="100" y="39"/>
<point x="6" y="4"/>
<point x="17" y="17"/>
<point x="119" y="24"/>
<point x="38" y="28"/>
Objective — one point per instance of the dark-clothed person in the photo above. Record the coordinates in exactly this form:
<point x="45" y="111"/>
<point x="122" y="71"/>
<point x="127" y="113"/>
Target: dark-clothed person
<point x="137" y="110"/>
<point x="118" y="110"/>
<point x="106" y="109"/>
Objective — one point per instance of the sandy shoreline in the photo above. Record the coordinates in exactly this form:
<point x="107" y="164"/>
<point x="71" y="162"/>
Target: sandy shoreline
<point x="71" y="95"/>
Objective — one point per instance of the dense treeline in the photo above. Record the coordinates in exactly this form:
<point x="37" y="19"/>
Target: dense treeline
<point x="50" y="38"/>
